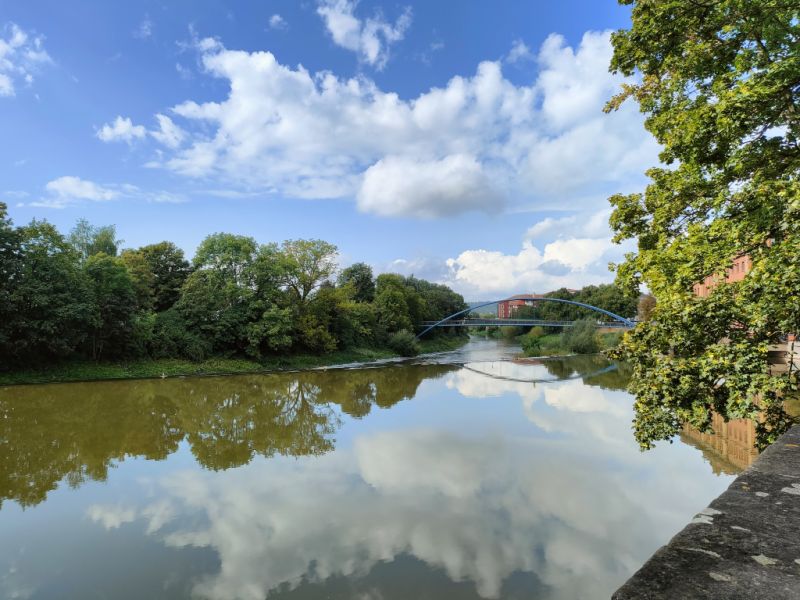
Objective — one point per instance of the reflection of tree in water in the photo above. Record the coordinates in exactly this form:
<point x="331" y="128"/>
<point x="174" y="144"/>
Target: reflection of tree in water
<point x="75" y="432"/>
<point x="587" y="366"/>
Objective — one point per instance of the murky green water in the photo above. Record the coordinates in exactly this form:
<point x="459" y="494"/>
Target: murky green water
<point x="431" y="480"/>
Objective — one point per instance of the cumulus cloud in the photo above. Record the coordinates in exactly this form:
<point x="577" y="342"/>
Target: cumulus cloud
<point x="121" y="129"/>
<point x="289" y="132"/>
<point x="21" y="55"/>
<point x="404" y="186"/>
<point x="168" y="133"/>
<point x="277" y="22"/>
<point x="370" y="38"/>
<point x="520" y="52"/>
<point x="570" y="251"/>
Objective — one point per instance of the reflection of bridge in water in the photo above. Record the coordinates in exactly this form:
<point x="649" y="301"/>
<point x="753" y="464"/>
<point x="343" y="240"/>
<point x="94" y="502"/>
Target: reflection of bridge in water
<point x="608" y="369"/>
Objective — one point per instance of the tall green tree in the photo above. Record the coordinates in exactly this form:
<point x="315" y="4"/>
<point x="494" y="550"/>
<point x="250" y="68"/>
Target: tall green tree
<point x="170" y="270"/>
<point x="10" y="266"/>
<point x="89" y="240"/>
<point x="359" y="276"/>
<point x="113" y="303"/>
<point x="141" y="276"/>
<point x="229" y="254"/>
<point x="49" y="309"/>
<point x="309" y="263"/>
<point x="719" y="85"/>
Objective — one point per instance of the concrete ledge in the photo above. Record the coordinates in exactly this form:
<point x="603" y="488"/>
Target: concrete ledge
<point x="745" y="545"/>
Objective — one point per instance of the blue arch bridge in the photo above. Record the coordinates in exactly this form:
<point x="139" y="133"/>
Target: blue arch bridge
<point x="462" y="319"/>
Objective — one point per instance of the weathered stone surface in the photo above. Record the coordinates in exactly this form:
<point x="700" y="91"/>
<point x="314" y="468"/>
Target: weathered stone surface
<point x="745" y="545"/>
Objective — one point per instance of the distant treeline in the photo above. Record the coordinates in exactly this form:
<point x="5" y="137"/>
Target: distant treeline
<point x="82" y="296"/>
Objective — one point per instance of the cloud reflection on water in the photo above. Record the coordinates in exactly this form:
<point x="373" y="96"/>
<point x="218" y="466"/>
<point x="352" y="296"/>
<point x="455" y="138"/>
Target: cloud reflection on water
<point x="580" y="510"/>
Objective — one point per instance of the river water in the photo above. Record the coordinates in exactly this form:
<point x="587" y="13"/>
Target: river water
<point x="461" y="475"/>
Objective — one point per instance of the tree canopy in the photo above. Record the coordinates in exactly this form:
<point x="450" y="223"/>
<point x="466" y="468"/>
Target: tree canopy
<point x="719" y="85"/>
<point x="64" y="298"/>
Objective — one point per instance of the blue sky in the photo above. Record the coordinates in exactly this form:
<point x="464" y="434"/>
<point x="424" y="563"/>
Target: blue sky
<point x="459" y="141"/>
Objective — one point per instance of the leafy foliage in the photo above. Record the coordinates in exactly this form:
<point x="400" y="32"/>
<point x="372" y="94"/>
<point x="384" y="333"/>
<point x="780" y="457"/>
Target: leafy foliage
<point x="720" y="88"/>
<point x="359" y="275"/>
<point x="404" y="343"/>
<point x="63" y="300"/>
<point x="581" y="338"/>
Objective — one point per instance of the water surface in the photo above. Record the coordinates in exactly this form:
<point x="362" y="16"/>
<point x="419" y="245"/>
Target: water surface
<point x="463" y="475"/>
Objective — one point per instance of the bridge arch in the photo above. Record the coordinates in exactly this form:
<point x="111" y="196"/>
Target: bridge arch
<point x="608" y="313"/>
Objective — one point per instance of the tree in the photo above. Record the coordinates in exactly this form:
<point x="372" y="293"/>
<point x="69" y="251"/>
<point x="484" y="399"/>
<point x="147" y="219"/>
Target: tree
<point x="216" y="309"/>
<point x="49" y="307"/>
<point x="309" y="263"/>
<point x="229" y="254"/>
<point x="89" y="240"/>
<point x="169" y="268"/>
<point x="114" y="304"/>
<point x="141" y="276"/>
<point x="720" y="89"/>
<point x="581" y="338"/>
<point x="359" y="275"/>
<point x="10" y="266"/>
<point x="392" y="309"/>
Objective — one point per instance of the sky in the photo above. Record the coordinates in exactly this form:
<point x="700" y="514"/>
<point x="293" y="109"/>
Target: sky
<point x="463" y="142"/>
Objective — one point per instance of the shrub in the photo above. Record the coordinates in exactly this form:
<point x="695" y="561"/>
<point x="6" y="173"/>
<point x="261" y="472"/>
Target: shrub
<point x="404" y="342"/>
<point x="171" y="338"/>
<point x="581" y="338"/>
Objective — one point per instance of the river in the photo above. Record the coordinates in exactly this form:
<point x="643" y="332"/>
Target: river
<point x="462" y="475"/>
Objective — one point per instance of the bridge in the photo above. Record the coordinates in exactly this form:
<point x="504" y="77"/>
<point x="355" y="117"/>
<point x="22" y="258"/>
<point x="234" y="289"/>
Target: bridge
<point x="468" y="322"/>
<point x="465" y="321"/>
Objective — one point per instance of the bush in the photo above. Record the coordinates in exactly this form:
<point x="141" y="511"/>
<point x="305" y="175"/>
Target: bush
<point x="405" y="343"/>
<point x="581" y="338"/>
<point x="171" y="338"/>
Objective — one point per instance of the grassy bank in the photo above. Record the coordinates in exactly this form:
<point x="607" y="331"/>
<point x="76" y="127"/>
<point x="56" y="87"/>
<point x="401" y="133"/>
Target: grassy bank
<point x="170" y="367"/>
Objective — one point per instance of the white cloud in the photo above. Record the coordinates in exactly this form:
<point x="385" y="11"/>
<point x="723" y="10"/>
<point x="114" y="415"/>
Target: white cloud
<point x="69" y="188"/>
<point x="588" y="528"/>
<point x="145" y="29"/>
<point x="278" y="22"/>
<point x="21" y="54"/>
<point x="576" y="253"/>
<point x="111" y="517"/>
<point x="288" y="132"/>
<point x="184" y="72"/>
<point x="370" y="38"/>
<point x="401" y="186"/>
<point x="520" y="52"/>
<point x="168" y="133"/>
<point x="122" y="129"/>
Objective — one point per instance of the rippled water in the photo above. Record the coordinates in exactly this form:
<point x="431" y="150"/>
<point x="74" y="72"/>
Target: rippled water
<point x="433" y="479"/>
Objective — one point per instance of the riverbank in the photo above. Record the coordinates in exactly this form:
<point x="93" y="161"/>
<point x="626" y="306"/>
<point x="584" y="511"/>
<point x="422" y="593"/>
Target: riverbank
<point x="554" y="344"/>
<point x="538" y="344"/>
<point x="169" y="367"/>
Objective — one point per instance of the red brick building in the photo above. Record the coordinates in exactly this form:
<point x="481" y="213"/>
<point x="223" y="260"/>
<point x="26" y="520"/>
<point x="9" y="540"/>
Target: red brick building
<point x="507" y="308"/>
<point x="741" y="266"/>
